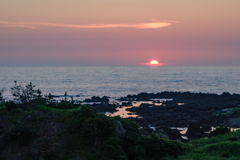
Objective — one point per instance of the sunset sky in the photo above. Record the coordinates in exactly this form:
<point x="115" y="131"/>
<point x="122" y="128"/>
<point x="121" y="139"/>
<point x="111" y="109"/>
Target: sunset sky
<point x="119" y="32"/>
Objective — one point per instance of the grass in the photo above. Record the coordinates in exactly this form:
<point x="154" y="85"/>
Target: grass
<point x="221" y="147"/>
<point x="228" y="112"/>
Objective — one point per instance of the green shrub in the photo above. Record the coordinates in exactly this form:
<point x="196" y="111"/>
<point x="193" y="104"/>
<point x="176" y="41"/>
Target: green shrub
<point x="219" y="147"/>
<point x="20" y="134"/>
<point x="225" y="154"/>
<point x="99" y="126"/>
<point x="75" y="119"/>
<point x="11" y="105"/>
<point x="232" y="139"/>
<point x="219" y="131"/>
<point x="110" y="149"/>
<point x="66" y="104"/>
<point x="232" y="148"/>
<point x="153" y="147"/>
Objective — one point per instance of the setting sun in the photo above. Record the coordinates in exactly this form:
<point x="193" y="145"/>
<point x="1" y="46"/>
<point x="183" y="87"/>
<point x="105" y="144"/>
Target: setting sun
<point x="154" y="62"/>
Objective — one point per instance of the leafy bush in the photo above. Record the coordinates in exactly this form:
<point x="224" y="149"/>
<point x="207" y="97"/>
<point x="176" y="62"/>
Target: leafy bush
<point x="99" y="126"/>
<point x="20" y="134"/>
<point x="225" y="154"/>
<point x="142" y="148"/>
<point x="87" y="122"/>
<point x="75" y="119"/>
<point x="219" y="147"/>
<point x="224" y="147"/>
<point x="153" y="147"/>
<point x="110" y="149"/>
<point x="219" y="131"/>
<point x="11" y="105"/>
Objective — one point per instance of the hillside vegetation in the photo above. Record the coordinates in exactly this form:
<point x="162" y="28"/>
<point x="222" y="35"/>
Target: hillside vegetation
<point x="41" y="132"/>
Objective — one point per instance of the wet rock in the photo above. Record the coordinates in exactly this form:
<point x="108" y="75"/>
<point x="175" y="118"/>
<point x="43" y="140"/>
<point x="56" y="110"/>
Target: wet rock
<point x="126" y="103"/>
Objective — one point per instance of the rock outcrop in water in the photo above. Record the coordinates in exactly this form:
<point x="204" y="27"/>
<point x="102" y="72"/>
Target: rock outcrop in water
<point x="104" y="99"/>
<point x="183" y="109"/>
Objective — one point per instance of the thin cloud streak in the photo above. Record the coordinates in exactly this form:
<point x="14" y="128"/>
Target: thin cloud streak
<point x="34" y="25"/>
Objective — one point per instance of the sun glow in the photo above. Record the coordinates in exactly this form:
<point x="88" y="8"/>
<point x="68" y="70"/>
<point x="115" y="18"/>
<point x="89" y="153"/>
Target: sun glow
<point x="154" y="62"/>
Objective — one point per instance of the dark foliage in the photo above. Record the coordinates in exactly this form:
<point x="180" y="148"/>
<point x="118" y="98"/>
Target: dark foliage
<point x="219" y="131"/>
<point x="11" y="105"/>
<point x="20" y="134"/>
<point x="141" y="148"/>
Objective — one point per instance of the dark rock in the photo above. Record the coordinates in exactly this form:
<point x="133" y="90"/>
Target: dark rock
<point x="126" y="103"/>
<point x="173" y="134"/>
<point x="194" y="131"/>
<point x="162" y="133"/>
<point x="206" y="128"/>
<point x="105" y="107"/>
<point x="203" y="121"/>
<point x="143" y="105"/>
<point x="104" y="99"/>
<point x="147" y="130"/>
<point x="205" y="109"/>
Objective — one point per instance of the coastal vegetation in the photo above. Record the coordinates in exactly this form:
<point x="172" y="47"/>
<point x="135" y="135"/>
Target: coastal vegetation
<point x="220" y="147"/>
<point x="35" y="126"/>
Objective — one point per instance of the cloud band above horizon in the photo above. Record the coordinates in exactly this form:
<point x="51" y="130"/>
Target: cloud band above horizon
<point x="34" y="25"/>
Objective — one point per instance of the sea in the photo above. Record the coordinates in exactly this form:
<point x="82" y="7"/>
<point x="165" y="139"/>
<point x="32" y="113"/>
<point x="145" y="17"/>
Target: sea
<point x="119" y="81"/>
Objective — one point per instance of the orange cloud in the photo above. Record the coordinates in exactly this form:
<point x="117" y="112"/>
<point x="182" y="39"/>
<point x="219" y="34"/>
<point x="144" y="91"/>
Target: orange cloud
<point x="34" y="25"/>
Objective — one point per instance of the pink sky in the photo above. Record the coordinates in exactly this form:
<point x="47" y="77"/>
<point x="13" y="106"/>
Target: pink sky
<point x="119" y="32"/>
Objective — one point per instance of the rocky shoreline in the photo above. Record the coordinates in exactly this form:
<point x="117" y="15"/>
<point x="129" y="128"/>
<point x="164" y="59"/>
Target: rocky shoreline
<point x="197" y="111"/>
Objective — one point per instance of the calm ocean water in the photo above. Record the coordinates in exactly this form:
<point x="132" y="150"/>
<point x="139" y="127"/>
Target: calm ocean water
<point x="120" y="81"/>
